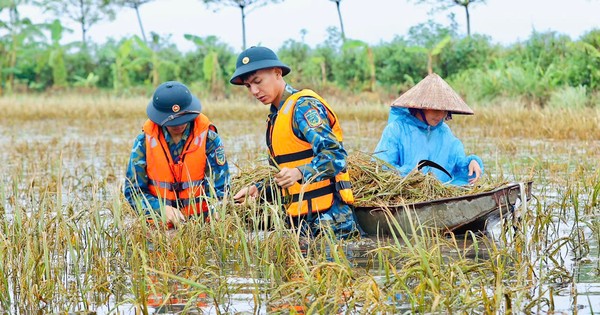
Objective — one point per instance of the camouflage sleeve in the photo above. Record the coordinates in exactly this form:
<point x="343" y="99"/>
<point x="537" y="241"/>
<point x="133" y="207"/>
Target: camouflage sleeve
<point x="311" y="124"/>
<point x="217" y="169"/>
<point x="135" y="188"/>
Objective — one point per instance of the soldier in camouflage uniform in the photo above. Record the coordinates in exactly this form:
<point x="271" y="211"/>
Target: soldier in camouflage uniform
<point x="178" y="161"/>
<point x="304" y="139"/>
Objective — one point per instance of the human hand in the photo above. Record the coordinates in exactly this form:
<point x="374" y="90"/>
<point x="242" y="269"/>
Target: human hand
<point x="474" y="168"/>
<point x="251" y="191"/>
<point x="288" y="177"/>
<point x="173" y="215"/>
<point x="214" y="215"/>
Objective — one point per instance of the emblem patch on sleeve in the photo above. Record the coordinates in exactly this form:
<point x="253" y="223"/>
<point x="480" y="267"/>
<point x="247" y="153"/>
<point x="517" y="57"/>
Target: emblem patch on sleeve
<point x="220" y="156"/>
<point x="312" y="118"/>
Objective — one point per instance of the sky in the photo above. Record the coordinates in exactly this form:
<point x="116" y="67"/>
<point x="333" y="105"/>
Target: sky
<point x="371" y="21"/>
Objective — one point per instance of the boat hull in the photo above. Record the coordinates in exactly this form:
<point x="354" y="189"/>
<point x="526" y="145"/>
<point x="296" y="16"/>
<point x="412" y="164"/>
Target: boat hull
<point x="464" y="213"/>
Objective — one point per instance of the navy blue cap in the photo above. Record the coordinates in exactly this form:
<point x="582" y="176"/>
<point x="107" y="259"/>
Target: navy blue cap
<point x="173" y="104"/>
<point x="256" y="58"/>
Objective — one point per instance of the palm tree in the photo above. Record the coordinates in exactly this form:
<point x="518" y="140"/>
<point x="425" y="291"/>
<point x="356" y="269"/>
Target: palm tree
<point x="244" y="5"/>
<point x="445" y="4"/>
<point x="136" y="4"/>
<point x="337" y="4"/>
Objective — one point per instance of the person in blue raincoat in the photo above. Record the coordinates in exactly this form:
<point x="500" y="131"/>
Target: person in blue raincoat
<point x="417" y="134"/>
<point x="304" y="141"/>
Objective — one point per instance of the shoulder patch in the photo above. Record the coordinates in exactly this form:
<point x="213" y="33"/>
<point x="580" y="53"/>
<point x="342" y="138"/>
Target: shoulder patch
<point x="312" y="118"/>
<point x="220" y="156"/>
<point x="212" y="135"/>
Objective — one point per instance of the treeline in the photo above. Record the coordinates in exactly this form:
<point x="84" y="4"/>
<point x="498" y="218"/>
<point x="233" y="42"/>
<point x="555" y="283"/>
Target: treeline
<point x="546" y="69"/>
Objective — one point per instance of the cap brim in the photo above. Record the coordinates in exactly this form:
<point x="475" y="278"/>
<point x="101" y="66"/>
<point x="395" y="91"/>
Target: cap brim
<point x="157" y="116"/>
<point x="255" y="66"/>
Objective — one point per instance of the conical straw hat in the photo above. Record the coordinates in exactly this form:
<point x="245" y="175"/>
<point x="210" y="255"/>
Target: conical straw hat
<point x="433" y="93"/>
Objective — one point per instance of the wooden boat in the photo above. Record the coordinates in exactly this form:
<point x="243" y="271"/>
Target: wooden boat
<point x="457" y="214"/>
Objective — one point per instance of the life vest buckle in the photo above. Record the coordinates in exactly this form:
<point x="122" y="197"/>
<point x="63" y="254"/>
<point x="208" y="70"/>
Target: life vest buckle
<point x="177" y="186"/>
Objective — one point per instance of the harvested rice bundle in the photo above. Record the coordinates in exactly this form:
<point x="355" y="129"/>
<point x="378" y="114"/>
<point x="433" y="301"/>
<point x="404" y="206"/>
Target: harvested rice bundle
<point x="264" y="175"/>
<point x="376" y="184"/>
<point x="252" y="175"/>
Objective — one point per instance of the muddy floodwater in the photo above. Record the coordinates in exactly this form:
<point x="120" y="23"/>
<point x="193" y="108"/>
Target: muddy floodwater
<point x="67" y="173"/>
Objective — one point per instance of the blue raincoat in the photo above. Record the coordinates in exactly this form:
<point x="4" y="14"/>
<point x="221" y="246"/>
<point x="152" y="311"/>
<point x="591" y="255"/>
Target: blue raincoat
<point x="406" y="140"/>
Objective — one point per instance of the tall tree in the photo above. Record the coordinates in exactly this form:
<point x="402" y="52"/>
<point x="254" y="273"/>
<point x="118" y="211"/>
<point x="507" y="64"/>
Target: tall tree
<point x="18" y="32"/>
<point x="337" y="4"/>
<point x="430" y="39"/>
<point x="85" y="12"/>
<point x="135" y="4"/>
<point x="446" y="4"/>
<point x="56" y="59"/>
<point x="213" y="56"/>
<point x="246" y="6"/>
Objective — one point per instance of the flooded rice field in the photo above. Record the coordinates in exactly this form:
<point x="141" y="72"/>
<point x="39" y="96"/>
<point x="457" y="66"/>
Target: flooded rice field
<point x="69" y="243"/>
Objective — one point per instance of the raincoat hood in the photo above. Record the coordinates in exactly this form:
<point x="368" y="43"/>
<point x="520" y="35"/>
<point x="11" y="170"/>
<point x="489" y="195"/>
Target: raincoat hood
<point x="404" y="115"/>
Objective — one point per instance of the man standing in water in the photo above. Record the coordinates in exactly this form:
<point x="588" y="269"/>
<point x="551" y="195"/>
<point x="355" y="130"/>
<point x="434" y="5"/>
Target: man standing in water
<point x="178" y="160"/>
<point x="304" y="139"/>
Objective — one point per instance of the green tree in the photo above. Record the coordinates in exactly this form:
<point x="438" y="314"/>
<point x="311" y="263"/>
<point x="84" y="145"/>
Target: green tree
<point x="337" y="5"/>
<point x="295" y="54"/>
<point x="399" y="64"/>
<point x="121" y="67"/>
<point x="82" y="64"/>
<point x="85" y="12"/>
<point x="328" y="54"/>
<point x="211" y="63"/>
<point x="580" y="65"/>
<point x="56" y="58"/>
<point x="101" y="74"/>
<point x="434" y="51"/>
<point x="430" y="39"/>
<point x="307" y="63"/>
<point x="19" y="31"/>
<point x="356" y="66"/>
<point x="446" y="4"/>
<point x="135" y="4"/>
<point x="135" y="61"/>
<point x="467" y="53"/>
<point x="246" y="6"/>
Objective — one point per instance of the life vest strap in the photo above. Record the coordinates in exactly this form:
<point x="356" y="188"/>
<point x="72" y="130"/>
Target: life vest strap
<point x="343" y="184"/>
<point x="181" y="202"/>
<point x="329" y="189"/>
<point x="296" y="156"/>
<point x="179" y="186"/>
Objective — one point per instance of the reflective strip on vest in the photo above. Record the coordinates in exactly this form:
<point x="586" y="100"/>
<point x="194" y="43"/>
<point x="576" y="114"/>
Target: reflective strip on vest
<point x="176" y="186"/>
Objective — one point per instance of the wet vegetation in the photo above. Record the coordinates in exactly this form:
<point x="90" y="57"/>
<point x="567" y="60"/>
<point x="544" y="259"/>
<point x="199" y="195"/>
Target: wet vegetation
<point x="70" y="243"/>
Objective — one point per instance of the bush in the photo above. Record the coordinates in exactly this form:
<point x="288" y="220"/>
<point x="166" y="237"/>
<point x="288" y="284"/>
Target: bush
<point x="467" y="53"/>
<point x="569" y="97"/>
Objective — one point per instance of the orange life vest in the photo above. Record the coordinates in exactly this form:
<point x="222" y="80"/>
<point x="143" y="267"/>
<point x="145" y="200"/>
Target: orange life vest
<point x="178" y="184"/>
<point x="287" y="150"/>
